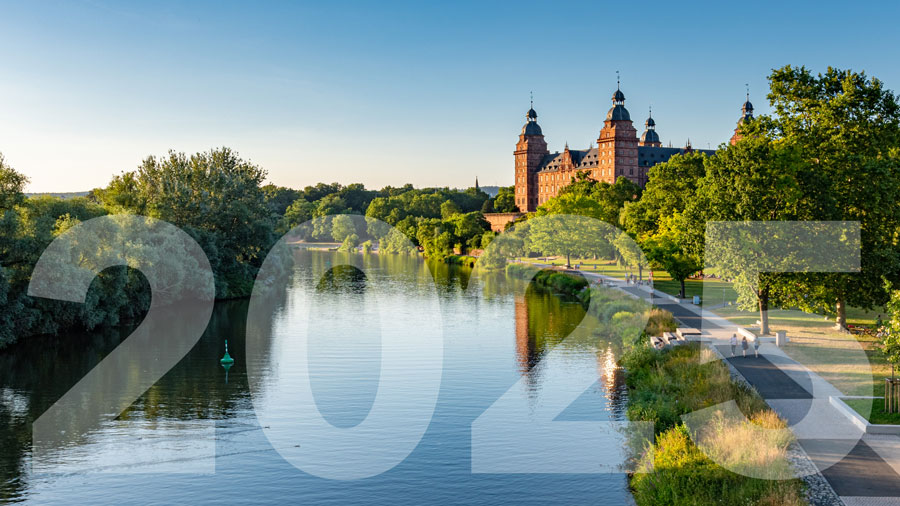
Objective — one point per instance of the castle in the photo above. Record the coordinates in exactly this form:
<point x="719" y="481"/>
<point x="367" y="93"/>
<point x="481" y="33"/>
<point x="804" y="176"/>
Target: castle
<point x="540" y="174"/>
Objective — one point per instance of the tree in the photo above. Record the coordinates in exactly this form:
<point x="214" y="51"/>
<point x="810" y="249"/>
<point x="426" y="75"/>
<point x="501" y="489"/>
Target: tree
<point x="668" y="249"/>
<point x="670" y="187"/>
<point x="448" y="209"/>
<point x="609" y="197"/>
<point x="757" y="179"/>
<point x="342" y="227"/>
<point x="12" y="184"/>
<point x="890" y="336"/>
<point x="330" y="205"/>
<point x="846" y="126"/>
<point x="631" y="253"/>
<point x="567" y="235"/>
<point x="278" y="198"/>
<point x="216" y="197"/>
<point x="350" y="243"/>
<point x="505" y="201"/>
<point x="466" y="227"/>
<point x="572" y="203"/>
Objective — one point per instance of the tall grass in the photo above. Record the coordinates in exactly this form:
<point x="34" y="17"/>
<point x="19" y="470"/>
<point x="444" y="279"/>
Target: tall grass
<point x="679" y="469"/>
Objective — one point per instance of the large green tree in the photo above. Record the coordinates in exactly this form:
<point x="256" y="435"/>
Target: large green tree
<point x="846" y="127"/>
<point x="609" y="197"/>
<point x="671" y="185"/>
<point x="669" y="248"/>
<point x="758" y="179"/>
<point x="214" y="196"/>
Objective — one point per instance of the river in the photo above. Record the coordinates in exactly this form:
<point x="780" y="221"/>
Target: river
<point x="197" y="437"/>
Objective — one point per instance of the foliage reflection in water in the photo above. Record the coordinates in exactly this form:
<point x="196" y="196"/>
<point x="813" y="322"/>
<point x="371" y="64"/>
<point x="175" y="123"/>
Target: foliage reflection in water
<point x="495" y="330"/>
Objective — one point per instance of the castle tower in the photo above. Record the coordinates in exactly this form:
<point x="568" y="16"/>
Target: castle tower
<point x="746" y="116"/>
<point x="530" y="150"/>
<point x="617" y="145"/>
<point x="650" y="137"/>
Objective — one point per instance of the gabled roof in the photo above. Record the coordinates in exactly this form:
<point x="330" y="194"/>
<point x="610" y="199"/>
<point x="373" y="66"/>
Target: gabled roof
<point x="581" y="159"/>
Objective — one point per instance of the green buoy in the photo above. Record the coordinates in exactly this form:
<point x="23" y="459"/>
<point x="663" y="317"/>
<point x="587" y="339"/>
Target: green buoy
<point x="227" y="360"/>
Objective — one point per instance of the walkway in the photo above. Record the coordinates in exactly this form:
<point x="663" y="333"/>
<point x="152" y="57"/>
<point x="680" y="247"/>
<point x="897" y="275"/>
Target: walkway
<point x="861" y="469"/>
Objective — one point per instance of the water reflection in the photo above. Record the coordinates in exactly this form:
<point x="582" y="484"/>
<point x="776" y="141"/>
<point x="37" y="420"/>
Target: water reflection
<point x="496" y="330"/>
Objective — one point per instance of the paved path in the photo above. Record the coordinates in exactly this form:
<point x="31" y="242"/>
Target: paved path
<point x="862" y="469"/>
<point x="769" y="380"/>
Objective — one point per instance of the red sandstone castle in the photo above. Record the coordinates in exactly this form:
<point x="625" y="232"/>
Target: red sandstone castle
<point x="540" y="174"/>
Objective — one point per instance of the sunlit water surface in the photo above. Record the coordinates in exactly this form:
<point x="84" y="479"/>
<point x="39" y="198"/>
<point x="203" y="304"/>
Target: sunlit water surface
<point x="194" y="437"/>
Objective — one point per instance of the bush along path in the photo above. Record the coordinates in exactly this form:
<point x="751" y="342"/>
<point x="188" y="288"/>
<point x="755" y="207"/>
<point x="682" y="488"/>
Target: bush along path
<point x="672" y="470"/>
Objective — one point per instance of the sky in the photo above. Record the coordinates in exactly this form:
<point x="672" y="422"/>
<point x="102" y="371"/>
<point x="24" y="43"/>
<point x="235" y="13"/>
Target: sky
<point x="388" y="93"/>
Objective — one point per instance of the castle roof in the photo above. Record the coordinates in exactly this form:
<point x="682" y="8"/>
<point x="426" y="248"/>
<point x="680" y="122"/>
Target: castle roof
<point x="649" y="156"/>
<point x="588" y="158"/>
<point x="581" y="158"/>
<point x="618" y="113"/>
<point x="650" y="135"/>
<point x="532" y="128"/>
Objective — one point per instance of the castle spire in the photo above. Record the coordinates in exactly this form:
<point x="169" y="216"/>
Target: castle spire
<point x="650" y="137"/>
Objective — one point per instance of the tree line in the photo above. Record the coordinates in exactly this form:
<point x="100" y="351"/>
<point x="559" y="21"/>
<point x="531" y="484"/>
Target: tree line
<point x="223" y="203"/>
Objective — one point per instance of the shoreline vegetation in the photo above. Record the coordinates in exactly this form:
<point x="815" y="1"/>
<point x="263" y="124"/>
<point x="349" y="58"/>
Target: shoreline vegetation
<point x="221" y="201"/>
<point x="665" y="384"/>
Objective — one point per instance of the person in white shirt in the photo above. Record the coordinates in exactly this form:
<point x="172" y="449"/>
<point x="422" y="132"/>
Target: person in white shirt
<point x="733" y="344"/>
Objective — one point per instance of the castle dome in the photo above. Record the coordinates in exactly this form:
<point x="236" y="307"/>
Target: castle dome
<point x="649" y="136"/>
<point x="747" y="107"/>
<point x="618" y="113"/>
<point x="650" y="123"/>
<point x="532" y="128"/>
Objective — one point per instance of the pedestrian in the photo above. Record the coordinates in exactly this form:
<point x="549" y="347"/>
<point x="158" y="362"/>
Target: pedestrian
<point x="744" y="345"/>
<point x="733" y="344"/>
<point x="756" y="347"/>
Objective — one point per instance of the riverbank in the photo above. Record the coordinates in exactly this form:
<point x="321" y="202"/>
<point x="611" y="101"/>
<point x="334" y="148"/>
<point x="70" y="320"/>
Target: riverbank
<point x="665" y="384"/>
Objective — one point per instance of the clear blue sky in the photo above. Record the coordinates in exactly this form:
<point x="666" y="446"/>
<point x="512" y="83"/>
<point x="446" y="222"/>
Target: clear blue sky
<point x="432" y="93"/>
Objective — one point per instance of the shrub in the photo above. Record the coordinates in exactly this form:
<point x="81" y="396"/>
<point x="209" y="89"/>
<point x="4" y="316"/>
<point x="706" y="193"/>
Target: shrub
<point x="666" y="384"/>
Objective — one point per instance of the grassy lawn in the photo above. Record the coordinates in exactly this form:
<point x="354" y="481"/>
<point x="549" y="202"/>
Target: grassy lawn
<point x="606" y="267"/>
<point x="873" y="411"/>
<point x="717" y="291"/>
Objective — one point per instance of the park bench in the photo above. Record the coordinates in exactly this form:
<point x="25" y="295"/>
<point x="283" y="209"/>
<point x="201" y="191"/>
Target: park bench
<point x="673" y="339"/>
<point x="688" y="333"/>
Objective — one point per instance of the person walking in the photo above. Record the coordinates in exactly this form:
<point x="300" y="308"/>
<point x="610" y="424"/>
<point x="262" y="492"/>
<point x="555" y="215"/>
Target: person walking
<point x="756" y="347"/>
<point x="744" y="345"/>
<point x="733" y="344"/>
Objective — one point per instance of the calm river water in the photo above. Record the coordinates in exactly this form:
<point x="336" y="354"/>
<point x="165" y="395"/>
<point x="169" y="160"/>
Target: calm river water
<point x="196" y="436"/>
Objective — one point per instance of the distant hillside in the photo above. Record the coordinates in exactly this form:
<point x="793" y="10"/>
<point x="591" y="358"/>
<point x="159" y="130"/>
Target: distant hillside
<point x="490" y="190"/>
<point x="62" y="195"/>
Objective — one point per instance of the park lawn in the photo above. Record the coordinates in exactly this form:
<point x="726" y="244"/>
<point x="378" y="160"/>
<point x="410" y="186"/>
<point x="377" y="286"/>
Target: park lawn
<point x="717" y="291"/>
<point x="711" y="291"/>
<point x="835" y="356"/>
<point x="605" y="267"/>
<point x="873" y="411"/>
